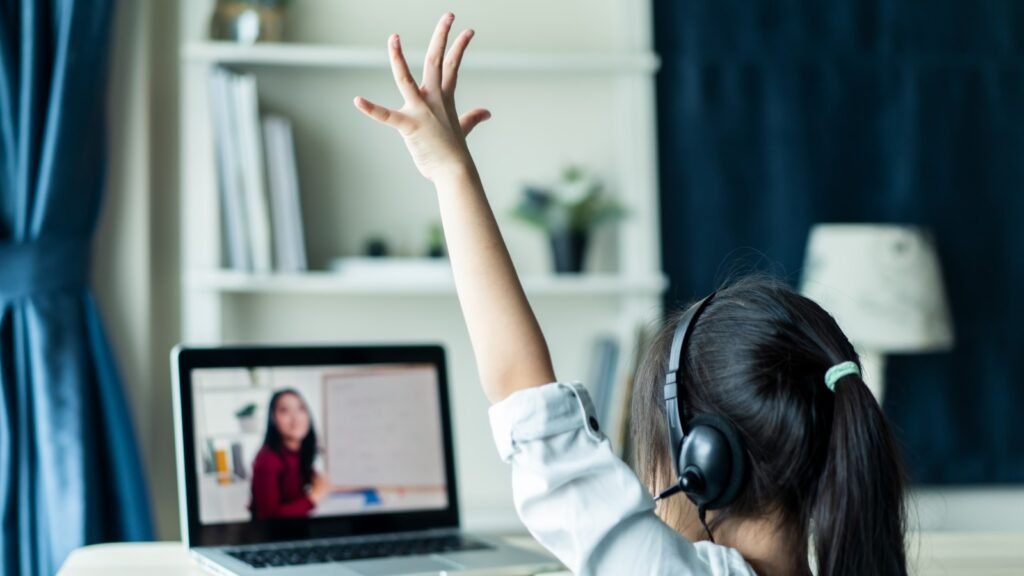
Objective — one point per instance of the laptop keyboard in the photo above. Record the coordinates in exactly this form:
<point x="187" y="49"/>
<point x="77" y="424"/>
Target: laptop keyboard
<point x="363" y="549"/>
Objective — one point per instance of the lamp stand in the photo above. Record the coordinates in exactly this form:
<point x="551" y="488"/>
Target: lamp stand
<point x="873" y="365"/>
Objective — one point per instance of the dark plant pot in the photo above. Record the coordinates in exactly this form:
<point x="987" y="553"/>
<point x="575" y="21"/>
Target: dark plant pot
<point x="376" y="248"/>
<point x="568" y="248"/>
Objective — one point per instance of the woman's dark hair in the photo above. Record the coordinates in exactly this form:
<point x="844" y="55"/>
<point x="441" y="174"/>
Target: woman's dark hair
<point x="273" y="440"/>
<point x="825" y="463"/>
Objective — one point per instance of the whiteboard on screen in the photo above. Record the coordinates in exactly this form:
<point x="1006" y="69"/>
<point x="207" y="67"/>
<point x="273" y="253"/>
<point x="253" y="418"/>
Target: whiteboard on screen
<point x="384" y="428"/>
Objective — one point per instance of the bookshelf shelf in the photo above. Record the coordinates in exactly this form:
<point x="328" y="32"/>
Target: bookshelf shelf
<point x="227" y="281"/>
<point x="357" y="57"/>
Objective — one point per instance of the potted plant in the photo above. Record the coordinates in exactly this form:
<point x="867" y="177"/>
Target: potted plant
<point x="568" y="213"/>
<point x="247" y="418"/>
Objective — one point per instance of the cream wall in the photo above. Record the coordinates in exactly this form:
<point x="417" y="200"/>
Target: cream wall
<point x="135" y="270"/>
<point x="136" y="276"/>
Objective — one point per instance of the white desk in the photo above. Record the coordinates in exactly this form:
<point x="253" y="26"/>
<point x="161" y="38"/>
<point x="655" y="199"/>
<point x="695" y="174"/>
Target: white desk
<point x="967" y="554"/>
<point x="935" y="554"/>
<point x="156" y="559"/>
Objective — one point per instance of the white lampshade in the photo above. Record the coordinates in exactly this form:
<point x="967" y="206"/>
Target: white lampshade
<point x="883" y="285"/>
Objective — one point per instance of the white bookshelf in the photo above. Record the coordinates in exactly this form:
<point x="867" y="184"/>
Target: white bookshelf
<point x="576" y="87"/>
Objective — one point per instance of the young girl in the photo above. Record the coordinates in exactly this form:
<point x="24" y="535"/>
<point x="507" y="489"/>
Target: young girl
<point x="283" y="468"/>
<point x="750" y="403"/>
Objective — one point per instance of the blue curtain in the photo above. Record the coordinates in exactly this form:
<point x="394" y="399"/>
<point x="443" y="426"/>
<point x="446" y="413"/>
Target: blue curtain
<point x="70" y="472"/>
<point x="778" y="114"/>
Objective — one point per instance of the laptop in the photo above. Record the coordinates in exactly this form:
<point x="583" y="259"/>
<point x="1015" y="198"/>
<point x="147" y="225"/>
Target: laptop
<point x="324" y="460"/>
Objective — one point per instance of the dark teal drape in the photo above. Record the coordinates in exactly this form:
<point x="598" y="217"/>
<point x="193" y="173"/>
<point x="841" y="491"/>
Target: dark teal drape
<point x="70" y="472"/>
<point x="777" y="114"/>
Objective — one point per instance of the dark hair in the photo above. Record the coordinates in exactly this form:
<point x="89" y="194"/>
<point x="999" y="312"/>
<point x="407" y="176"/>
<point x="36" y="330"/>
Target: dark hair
<point x="826" y="463"/>
<point x="273" y="440"/>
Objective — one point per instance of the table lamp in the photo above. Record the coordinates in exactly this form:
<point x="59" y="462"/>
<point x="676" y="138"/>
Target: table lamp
<point x="883" y="285"/>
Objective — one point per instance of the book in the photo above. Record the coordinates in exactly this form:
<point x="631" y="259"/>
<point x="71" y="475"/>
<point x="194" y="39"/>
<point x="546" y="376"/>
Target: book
<point x="641" y="341"/>
<point x="604" y="365"/>
<point x="252" y="170"/>
<point x="220" y="456"/>
<point x="232" y="198"/>
<point x="238" y="461"/>
<point x="209" y="462"/>
<point x="283" y="186"/>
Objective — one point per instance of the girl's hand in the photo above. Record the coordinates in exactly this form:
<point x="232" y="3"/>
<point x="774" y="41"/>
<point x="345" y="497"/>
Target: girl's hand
<point x="319" y="489"/>
<point x="433" y="131"/>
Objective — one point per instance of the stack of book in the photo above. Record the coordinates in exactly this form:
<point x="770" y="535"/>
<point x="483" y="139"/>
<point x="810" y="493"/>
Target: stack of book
<point x="611" y="380"/>
<point x="258" y="181"/>
<point x="226" y="464"/>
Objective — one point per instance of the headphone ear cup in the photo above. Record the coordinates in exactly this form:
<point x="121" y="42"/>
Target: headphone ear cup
<point x="713" y="447"/>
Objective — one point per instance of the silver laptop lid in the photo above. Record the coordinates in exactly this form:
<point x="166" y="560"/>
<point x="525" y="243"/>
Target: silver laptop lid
<point x="292" y="443"/>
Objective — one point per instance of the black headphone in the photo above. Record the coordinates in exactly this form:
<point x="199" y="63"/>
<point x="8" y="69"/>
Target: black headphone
<point x="707" y="453"/>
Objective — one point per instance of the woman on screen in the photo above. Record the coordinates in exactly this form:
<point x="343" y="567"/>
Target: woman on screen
<point x="284" y="484"/>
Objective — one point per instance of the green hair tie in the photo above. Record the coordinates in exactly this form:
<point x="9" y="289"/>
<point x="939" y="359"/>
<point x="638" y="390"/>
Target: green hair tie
<point x="840" y="371"/>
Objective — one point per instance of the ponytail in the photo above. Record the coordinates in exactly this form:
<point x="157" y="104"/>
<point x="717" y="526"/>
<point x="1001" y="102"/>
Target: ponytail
<point x="858" y="518"/>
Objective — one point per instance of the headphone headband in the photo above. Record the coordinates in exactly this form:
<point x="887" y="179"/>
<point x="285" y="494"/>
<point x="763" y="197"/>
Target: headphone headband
<point x="706" y="451"/>
<point x="684" y="328"/>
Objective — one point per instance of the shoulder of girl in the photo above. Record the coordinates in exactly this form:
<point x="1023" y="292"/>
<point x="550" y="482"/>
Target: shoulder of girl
<point x="267" y="458"/>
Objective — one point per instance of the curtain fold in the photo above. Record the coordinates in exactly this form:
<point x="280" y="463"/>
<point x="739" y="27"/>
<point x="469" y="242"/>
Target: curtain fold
<point x="778" y="114"/>
<point x="70" y="469"/>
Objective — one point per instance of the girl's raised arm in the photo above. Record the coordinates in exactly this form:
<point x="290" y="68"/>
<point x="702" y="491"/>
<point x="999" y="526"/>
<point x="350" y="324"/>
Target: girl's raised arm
<point x="510" y="350"/>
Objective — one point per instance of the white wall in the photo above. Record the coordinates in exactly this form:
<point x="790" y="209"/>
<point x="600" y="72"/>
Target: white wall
<point x="164" y="254"/>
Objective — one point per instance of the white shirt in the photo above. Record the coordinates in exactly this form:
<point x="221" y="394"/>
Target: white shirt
<point x="583" y="503"/>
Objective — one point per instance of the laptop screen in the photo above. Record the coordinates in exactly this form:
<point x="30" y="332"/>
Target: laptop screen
<point x="317" y="441"/>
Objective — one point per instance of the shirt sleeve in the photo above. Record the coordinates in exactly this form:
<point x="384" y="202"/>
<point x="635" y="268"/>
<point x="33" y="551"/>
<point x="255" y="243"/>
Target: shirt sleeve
<point x="583" y="503"/>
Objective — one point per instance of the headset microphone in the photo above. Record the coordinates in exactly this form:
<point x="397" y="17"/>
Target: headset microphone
<point x="690" y="482"/>
<point x="673" y="489"/>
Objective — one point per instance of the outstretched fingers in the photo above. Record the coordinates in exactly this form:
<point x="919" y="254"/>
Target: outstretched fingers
<point x="400" y="69"/>
<point x="435" y="53"/>
<point x="440" y="76"/>
<point x="470" y="119"/>
<point x="383" y="114"/>
<point x="453" y="61"/>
